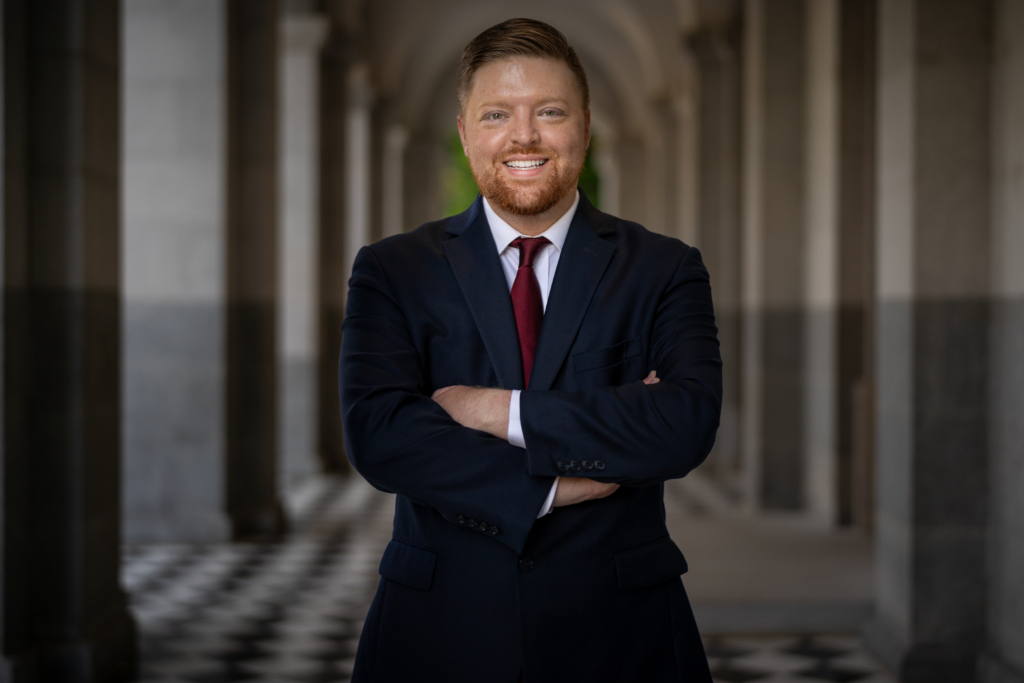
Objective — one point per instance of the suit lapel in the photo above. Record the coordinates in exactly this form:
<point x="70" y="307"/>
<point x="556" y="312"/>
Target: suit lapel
<point x="585" y="257"/>
<point x="474" y="259"/>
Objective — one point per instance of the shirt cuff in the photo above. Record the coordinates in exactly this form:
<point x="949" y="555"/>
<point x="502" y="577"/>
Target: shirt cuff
<point x="549" y="502"/>
<point x="515" y="425"/>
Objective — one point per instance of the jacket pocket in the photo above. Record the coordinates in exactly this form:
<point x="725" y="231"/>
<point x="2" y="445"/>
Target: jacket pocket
<point x="649" y="565"/>
<point x="408" y="565"/>
<point x="601" y="358"/>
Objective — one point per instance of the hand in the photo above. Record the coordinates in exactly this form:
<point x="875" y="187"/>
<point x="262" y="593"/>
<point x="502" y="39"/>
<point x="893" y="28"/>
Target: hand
<point x="572" y="490"/>
<point x="477" y="407"/>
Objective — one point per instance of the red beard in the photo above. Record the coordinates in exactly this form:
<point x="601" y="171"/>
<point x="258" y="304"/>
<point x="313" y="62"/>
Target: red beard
<point x="528" y="198"/>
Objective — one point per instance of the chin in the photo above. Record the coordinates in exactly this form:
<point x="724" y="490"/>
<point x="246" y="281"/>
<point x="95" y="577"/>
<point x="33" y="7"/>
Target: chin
<point x="526" y="201"/>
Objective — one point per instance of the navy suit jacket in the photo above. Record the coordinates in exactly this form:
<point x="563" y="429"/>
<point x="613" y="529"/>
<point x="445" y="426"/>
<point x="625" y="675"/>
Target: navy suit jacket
<point x="474" y="587"/>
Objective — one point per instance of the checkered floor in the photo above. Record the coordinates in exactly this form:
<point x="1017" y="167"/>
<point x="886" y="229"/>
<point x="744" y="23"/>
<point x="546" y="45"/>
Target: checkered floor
<point x="292" y="612"/>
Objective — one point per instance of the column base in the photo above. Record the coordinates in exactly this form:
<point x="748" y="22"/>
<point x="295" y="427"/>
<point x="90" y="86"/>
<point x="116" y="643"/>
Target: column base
<point x="110" y="656"/>
<point x="265" y="524"/>
<point x="920" y="662"/>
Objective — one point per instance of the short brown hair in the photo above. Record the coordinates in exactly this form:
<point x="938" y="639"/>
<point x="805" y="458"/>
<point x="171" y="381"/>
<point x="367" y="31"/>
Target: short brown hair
<point x="519" y="38"/>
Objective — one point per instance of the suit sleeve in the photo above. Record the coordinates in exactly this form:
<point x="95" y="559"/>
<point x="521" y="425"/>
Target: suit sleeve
<point x="403" y="442"/>
<point x="642" y="434"/>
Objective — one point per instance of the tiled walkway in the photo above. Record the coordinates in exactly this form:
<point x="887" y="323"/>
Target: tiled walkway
<point x="292" y="612"/>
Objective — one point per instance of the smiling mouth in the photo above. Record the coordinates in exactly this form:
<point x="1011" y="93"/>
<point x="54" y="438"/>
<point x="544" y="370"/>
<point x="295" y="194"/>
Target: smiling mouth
<point x="520" y="165"/>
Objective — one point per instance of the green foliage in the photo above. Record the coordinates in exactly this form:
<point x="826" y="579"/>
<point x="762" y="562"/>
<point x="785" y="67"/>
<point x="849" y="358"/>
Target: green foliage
<point x="590" y="182"/>
<point x="460" y="189"/>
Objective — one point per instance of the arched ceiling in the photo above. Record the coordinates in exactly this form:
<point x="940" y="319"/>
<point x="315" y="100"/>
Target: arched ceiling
<point x="632" y="50"/>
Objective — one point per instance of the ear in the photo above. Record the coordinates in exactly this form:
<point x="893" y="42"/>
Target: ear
<point x="588" y="130"/>
<point x="462" y="134"/>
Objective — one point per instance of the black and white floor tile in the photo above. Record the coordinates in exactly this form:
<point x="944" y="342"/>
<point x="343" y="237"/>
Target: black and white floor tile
<point x="292" y="612"/>
<point x="288" y="612"/>
<point x="791" y="659"/>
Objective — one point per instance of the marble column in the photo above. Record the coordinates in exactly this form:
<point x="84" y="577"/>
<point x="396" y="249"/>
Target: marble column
<point x="253" y="28"/>
<point x="716" y="54"/>
<point x="63" y="613"/>
<point x="934" y="254"/>
<point x="773" y="241"/>
<point x="175" y="211"/>
<point x="302" y="37"/>
<point x="1003" y="660"/>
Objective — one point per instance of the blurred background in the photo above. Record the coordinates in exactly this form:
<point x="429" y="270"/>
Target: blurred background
<point x="186" y="183"/>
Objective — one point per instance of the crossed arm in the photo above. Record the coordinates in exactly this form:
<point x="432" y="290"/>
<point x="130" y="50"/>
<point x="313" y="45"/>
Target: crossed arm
<point x="487" y="410"/>
<point x="402" y="441"/>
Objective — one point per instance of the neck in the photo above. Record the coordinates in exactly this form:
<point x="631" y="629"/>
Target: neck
<point x="531" y="226"/>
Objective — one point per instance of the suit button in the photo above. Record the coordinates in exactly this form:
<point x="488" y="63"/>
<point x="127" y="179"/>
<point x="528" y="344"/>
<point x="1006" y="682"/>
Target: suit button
<point x="574" y="465"/>
<point x="472" y="523"/>
<point x="495" y="531"/>
<point x="563" y="466"/>
<point x="599" y="464"/>
<point x="460" y="519"/>
<point x="587" y="465"/>
<point x="526" y="564"/>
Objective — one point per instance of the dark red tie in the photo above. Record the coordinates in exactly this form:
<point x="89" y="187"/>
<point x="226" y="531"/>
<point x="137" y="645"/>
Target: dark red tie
<point x="526" y="301"/>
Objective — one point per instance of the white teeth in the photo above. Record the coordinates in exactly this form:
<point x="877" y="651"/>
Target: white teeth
<point x="525" y="164"/>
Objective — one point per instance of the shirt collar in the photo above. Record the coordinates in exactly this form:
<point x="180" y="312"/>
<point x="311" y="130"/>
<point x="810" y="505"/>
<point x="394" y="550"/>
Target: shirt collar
<point x="504" y="233"/>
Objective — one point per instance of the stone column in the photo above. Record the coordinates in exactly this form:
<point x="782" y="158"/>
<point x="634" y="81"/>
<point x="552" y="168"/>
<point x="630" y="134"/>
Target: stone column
<point x="856" y="220"/>
<point x="934" y="253"/>
<point x="253" y="28"/>
<point x="358" y="164"/>
<point x="426" y="158"/>
<point x="773" y="239"/>
<point x="717" y="214"/>
<point x="396" y="138"/>
<point x="607" y="166"/>
<point x="630" y="155"/>
<point x="63" y="614"/>
<point x="175" y="211"/>
<point x="302" y="37"/>
<point x="821" y="275"/>
<point x="334" y="67"/>
<point x="1003" y="660"/>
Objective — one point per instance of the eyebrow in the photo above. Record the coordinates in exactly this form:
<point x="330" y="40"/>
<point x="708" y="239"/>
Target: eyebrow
<point x="499" y="103"/>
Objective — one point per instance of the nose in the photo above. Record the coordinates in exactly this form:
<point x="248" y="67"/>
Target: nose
<point x="524" y="130"/>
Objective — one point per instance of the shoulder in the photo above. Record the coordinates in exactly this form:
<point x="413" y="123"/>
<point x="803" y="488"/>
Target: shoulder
<point x="634" y="242"/>
<point x="414" y="249"/>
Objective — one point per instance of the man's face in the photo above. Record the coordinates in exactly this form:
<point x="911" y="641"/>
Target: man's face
<point x="525" y="133"/>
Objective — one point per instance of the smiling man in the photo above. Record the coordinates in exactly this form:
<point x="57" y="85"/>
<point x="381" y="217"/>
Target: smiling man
<point x="525" y="376"/>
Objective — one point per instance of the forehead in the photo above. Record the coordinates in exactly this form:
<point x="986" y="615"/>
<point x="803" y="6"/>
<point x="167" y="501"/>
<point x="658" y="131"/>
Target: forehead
<point x="522" y="77"/>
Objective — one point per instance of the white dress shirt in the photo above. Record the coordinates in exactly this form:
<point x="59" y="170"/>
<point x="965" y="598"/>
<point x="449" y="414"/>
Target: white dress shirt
<point x="544" y="266"/>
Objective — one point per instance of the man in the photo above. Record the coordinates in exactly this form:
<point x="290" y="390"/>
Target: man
<point x="525" y="376"/>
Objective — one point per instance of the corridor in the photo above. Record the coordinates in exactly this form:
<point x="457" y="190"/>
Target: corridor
<point x="291" y="612"/>
<point x="186" y="185"/>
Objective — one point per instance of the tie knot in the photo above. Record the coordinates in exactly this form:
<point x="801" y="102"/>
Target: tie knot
<point x="529" y="247"/>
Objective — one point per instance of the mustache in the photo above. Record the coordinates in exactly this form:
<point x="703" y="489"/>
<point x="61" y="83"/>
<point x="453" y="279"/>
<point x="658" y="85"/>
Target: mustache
<point x="529" y="151"/>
